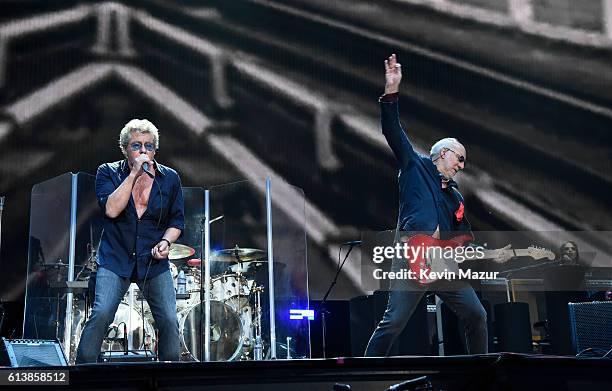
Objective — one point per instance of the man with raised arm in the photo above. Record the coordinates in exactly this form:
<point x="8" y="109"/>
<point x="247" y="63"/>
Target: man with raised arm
<point x="429" y="202"/>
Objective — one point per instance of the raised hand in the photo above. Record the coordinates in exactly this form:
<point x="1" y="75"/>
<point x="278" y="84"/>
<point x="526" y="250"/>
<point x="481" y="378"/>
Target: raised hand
<point x="393" y="75"/>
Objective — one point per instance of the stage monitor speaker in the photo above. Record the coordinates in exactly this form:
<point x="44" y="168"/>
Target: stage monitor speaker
<point x="32" y="353"/>
<point x="591" y="325"/>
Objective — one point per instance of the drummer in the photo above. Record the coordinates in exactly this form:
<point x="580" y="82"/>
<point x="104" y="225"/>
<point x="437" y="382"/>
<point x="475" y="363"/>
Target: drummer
<point x="142" y="203"/>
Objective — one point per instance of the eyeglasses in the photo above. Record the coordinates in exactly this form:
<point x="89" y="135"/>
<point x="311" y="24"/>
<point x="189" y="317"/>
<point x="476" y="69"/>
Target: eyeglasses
<point x="461" y="158"/>
<point x="148" y="146"/>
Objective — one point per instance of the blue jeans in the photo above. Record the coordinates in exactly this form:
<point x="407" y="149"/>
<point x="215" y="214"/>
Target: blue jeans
<point x="405" y="296"/>
<point x="110" y="289"/>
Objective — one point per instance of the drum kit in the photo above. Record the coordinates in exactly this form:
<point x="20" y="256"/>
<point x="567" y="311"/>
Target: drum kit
<point x="235" y="308"/>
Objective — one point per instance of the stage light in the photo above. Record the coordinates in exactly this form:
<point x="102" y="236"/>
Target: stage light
<point x="298" y="314"/>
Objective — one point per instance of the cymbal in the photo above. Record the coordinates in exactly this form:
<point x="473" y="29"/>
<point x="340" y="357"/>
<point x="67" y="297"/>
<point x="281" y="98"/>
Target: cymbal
<point x="238" y="255"/>
<point x="180" y="251"/>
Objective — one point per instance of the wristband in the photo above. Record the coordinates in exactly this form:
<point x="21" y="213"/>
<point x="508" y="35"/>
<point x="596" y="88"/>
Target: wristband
<point x="167" y="241"/>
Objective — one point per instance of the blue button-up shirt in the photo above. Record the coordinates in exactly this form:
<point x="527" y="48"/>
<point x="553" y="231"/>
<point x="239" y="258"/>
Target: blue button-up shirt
<point x="127" y="240"/>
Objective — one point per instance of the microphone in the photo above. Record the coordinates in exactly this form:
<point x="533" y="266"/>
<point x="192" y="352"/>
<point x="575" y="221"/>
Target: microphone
<point x="145" y="167"/>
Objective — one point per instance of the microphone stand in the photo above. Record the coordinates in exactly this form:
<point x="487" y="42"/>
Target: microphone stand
<point x="331" y="286"/>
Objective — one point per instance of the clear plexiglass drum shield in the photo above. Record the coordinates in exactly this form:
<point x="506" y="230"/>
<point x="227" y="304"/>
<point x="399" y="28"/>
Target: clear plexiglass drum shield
<point x="65" y="230"/>
<point x="257" y="272"/>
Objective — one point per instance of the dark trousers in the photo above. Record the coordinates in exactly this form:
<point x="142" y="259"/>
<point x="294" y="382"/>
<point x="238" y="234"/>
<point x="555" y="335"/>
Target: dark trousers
<point x="403" y="299"/>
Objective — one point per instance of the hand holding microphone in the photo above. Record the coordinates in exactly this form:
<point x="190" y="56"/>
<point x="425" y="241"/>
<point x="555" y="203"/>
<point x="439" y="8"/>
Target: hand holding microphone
<point x="142" y="162"/>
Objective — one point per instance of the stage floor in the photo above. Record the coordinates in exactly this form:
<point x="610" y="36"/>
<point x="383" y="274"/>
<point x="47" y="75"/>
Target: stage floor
<point x="484" y="372"/>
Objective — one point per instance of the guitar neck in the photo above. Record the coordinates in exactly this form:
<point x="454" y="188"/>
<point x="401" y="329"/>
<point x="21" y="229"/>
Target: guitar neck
<point x="518" y="252"/>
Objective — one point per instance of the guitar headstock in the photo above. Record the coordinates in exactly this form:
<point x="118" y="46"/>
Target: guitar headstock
<point x="536" y="252"/>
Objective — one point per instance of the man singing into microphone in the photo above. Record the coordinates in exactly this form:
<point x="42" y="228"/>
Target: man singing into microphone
<point x="142" y="203"/>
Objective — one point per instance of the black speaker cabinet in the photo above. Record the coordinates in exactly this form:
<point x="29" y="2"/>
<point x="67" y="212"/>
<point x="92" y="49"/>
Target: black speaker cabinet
<point x="591" y="325"/>
<point x="513" y="327"/>
<point x="32" y="353"/>
<point x="367" y="311"/>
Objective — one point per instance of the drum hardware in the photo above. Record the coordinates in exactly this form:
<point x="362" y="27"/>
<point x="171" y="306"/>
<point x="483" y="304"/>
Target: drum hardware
<point x="69" y="286"/>
<point x="290" y="352"/>
<point x="59" y="286"/>
<point x="258" y="351"/>
<point x="62" y="287"/>
<point x="244" y="314"/>
<point x="56" y="265"/>
<point x="289" y="348"/>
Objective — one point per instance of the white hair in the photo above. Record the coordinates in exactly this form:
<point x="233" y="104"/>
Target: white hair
<point x="445" y="143"/>
<point x="140" y="126"/>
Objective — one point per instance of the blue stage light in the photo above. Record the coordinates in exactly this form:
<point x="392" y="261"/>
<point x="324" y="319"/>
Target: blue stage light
<point x="297" y="314"/>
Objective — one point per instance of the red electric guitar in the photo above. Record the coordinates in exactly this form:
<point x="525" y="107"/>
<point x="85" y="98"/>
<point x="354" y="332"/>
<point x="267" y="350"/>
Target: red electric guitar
<point x="432" y="259"/>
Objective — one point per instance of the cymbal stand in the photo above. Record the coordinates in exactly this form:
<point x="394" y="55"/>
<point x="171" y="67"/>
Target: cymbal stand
<point x="258" y="350"/>
<point x="57" y="304"/>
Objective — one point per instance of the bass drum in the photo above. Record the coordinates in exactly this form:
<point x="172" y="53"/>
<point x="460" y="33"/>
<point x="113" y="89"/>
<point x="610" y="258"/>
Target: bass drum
<point x="226" y="332"/>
